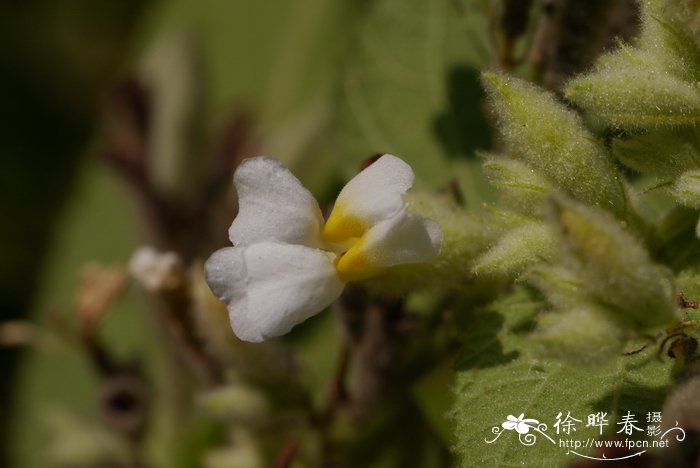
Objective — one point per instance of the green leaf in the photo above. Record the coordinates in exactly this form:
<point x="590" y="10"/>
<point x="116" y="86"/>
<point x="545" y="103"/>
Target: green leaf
<point x="561" y="334"/>
<point x="649" y="86"/>
<point x="665" y="40"/>
<point x="517" y="249"/>
<point x="522" y="188"/>
<point x="614" y="267"/>
<point x="665" y="153"/>
<point x="552" y="140"/>
<point x="276" y="59"/>
<point x="519" y="382"/>
<point x="560" y="286"/>
<point x="411" y="88"/>
<point x="627" y="92"/>
<point x="677" y="243"/>
<point x="683" y="13"/>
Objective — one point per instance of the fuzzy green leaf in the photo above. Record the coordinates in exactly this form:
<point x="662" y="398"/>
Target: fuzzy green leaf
<point x="649" y="86"/>
<point x="614" y="267"/>
<point x="666" y="153"/>
<point x="517" y="249"/>
<point x="562" y="336"/>
<point x="523" y="188"/>
<point x="628" y="92"/>
<point x="501" y="375"/>
<point x="552" y="140"/>
<point x="665" y="41"/>
<point x="559" y="285"/>
<point x="684" y="14"/>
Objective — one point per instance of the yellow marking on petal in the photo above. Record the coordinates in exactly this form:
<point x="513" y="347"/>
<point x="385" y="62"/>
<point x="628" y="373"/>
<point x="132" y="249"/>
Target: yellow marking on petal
<point x="355" y="264"/>
<point x="341" y="226"/>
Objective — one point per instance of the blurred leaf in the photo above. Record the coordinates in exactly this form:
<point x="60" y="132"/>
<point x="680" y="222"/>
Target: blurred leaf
<point x="237" y="402"/>
<point x="678" y="245"/>
<point x="410" y="88"/>
<point x="99" y="226"/>
<point x="278" y="60"/>
<point x="80" y="444"/>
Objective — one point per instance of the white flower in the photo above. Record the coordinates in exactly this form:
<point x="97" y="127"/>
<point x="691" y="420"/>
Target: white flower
<point x="522" y="426"/>
<point x="287" y="264"/>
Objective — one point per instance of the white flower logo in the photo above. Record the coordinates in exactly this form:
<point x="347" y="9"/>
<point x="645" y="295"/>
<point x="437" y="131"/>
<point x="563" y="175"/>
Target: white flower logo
<point x="287" y="264"/>
<point x="522" y="426"/>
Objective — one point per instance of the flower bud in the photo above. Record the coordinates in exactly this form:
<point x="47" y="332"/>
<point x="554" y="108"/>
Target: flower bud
<point x="614" y="267"/>
<point x="551" y="139"/>
<point x="155" y="270"/>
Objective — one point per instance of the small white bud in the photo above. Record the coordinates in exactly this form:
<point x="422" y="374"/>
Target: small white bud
<point x="155" y="270"/>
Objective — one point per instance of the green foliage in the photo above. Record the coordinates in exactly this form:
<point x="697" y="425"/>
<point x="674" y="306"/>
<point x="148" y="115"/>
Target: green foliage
<point x="465" y="237"/>
<point x="522" y="188"/>
<point x="560" y="334"/>
<point x="665" y="43"/>
<point x="648" y="86"/>
<point x="499" y="375"/>
<point x="411" y="88"/>
<point x="579" y="275"/>
<point x="614" y="267"/>
<point x="563" y="336"/>
<point x="664" y="153"/>
<point x="543" y="133"/>
<point x="651" y="91"/>
<point x="517" y="249"/>
<point x="629" y="92"/>
<point x="607" y="280"/>
<point x="687" y="188"/>
<point x="685" y="14"/>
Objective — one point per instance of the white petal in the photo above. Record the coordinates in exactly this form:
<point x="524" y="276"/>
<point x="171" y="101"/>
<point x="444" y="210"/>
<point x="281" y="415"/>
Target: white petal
<point x="405" y="238"/>
<point x="273" y="206"/>
<point x="271" y="287"/>
<point x="373" y="195"/>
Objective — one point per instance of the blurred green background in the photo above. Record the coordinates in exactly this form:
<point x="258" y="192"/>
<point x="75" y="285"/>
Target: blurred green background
<point x="327" y="84"/>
